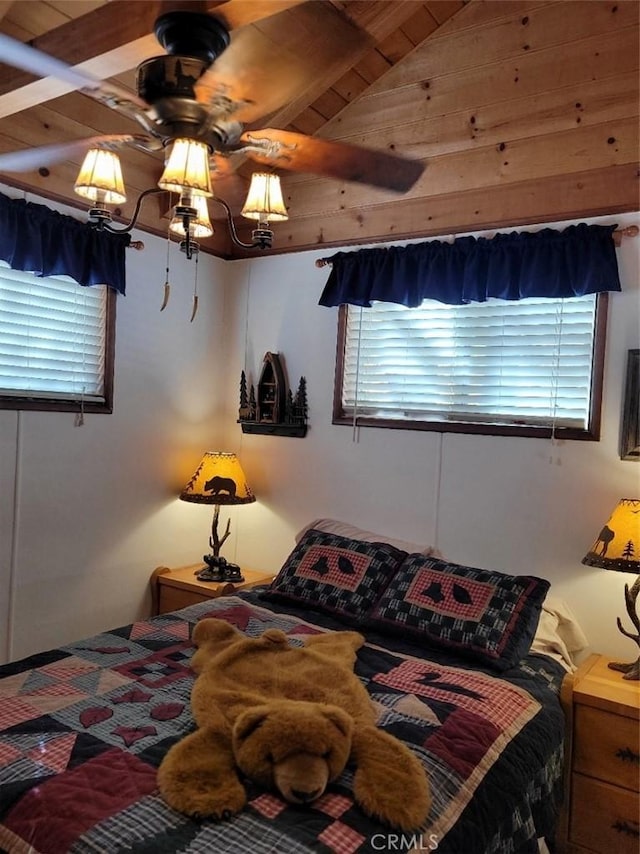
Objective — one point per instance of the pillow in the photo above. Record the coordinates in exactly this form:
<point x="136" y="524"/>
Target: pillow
<point x="488" y="616"/>
<point x="559" y="635"/>
<point x="335" y="574"/>
<point x="333" y="526"/>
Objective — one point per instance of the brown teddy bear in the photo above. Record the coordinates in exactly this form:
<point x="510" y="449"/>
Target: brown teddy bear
<point x="289" y="718"/>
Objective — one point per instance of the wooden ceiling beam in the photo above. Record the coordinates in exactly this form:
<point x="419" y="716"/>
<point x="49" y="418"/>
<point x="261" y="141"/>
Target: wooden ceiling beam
<point x="5" y="5"/>
<point x="596" y="192"/>
<point x="279" y="59"/>
<point x="113" y="39"/>
<point x="378" y="18"/>
<point x="375" y="21"/>
<point x="485" y="168"/>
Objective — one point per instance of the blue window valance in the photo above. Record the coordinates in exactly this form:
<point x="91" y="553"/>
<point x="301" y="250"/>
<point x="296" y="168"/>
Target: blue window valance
<point x="579" y="260"/>
<point x="39" y="240"/>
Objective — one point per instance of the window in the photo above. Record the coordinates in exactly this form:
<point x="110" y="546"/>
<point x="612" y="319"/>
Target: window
<point x="530" y="367"/>
<point x="56" y="343"/>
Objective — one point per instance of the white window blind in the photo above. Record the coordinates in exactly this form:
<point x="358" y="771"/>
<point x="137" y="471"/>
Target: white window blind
<point x="52" y="337"/>
<point x="499" y="362"/>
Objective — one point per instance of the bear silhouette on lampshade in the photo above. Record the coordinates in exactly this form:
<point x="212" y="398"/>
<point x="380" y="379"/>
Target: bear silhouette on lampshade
<point x="218" y="480"/>
<point x="618" y="547"/>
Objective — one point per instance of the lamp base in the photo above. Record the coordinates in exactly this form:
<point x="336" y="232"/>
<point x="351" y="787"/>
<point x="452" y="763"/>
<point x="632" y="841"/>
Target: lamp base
<point x="631" y="671"/>
<point x="218" y="569"/>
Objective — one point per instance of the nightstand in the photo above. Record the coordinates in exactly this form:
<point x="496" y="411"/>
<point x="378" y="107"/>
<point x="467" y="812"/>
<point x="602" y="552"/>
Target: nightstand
<point x="172" y="589"/>
<point x="602" y="810"/>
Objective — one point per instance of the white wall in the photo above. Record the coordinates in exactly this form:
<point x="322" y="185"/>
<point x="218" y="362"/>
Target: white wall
<point x="94" y="509"/>
<point x="515" y="504"/>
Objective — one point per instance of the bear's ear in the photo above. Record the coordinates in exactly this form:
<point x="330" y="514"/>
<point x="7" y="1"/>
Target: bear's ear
<point x="341" y="720"/>
<point x="216" y="631"/>
<point x="274" y="637"/>
<point x="248" y="722"/>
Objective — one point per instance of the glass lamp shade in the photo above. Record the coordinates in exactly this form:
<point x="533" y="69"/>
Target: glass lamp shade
<point x="201" y="225"/>
<point x="187" y="169"/>
<point x="264" y="199"/>
<point x="219" y="479"/>
<point x="618" y="544"/>
<point x="100" y="178"/>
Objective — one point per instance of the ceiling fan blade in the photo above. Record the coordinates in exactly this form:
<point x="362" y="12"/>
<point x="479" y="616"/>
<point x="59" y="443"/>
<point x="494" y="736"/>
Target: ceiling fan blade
<point x="29" y="159"/>
<point x="253" y="75"/>
<point x="27" y="58"/>
<point x="281" y="65"/>
<point x="227" y="184"/>
<point x="297" y="152"/>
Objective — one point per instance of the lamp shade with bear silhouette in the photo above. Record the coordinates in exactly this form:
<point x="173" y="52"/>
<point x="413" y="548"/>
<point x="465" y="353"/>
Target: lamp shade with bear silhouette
<point x="618" y="547"/>
<point x="218" y="479"/>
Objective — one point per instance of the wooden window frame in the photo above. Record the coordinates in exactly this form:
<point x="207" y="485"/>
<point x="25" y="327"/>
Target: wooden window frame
<point x="44" y="404"/>
<point x="591" y="433"/>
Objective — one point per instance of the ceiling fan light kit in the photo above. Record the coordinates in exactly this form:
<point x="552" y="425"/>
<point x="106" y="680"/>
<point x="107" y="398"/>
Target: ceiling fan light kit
<point x="100" y="178"/>
<point x="187" y="169"/>
<point x="200" y="224"/>
<point x="264" y="200"/>
<point x="186" y="105"/>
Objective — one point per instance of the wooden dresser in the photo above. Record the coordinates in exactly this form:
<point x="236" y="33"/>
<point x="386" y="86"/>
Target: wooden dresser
<point x="602" y="811"/>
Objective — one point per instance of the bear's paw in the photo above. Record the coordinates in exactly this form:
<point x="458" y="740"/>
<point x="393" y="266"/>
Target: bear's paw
<point x="216" y="800"/>
<point x="390" y="782"/>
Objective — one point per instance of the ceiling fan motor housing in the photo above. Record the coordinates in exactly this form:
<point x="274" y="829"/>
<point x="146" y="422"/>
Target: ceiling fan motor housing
<point x="169" y="77"/>
<point x="192" y="41"/>
<point x="166" y="83"/>
<point x="192" y="34"/>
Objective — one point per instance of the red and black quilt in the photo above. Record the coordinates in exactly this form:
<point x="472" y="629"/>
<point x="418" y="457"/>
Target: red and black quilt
<point x="83" y="729"/>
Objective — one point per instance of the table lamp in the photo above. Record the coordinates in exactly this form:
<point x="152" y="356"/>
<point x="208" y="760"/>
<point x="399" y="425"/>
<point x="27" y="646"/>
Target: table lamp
<point x="618" y="547"/>
<point x="219" y="479"/>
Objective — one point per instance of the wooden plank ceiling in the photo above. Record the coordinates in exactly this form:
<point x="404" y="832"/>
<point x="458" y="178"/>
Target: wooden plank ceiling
<point x="523" y="111"/>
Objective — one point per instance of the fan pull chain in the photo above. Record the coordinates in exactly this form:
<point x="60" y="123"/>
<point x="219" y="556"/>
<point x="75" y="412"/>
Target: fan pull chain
<point x="195" y="292"/>
<point x="167" y="286"/>
<point x="555" y="378"/>
<point x="355" y="436"/>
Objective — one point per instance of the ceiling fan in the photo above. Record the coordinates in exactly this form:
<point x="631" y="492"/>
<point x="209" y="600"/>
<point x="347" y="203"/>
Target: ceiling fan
<point x="182" y="94"/>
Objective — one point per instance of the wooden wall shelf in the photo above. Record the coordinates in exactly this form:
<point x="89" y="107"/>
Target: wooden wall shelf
<point x="293" y="430"/>
<point x="273" y="411"/>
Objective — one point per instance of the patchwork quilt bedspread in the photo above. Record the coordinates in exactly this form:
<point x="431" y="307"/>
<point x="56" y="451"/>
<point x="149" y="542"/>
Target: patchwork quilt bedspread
<point x="84" y="728"/>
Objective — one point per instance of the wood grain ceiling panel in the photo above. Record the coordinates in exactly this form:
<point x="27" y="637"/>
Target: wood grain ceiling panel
<point x="584" y="63"/>
<point x="562" y="197"/>
<point x="549" y="155"/>
<point x="507" y="40"/>
<point x="523" y="110"/>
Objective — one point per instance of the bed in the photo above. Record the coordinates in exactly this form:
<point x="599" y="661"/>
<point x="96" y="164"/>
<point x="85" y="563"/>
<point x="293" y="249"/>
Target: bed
<point x="84" y="727"/>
